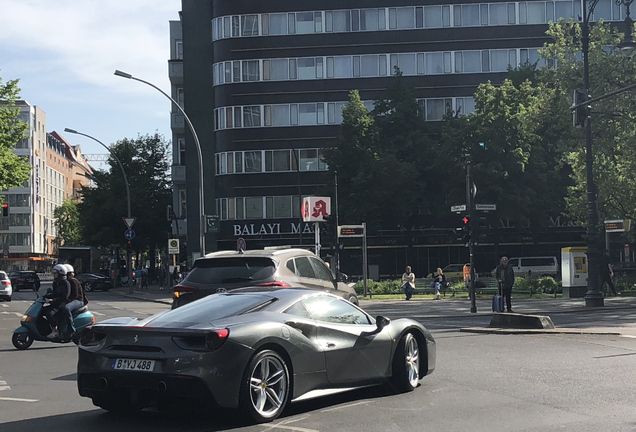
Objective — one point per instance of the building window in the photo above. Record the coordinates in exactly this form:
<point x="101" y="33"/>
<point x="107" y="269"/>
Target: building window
<point x="182" y="151"/>
<point x="254" y="208"/>
<point x="183" y="207"/>
<point x="179" y="49"/>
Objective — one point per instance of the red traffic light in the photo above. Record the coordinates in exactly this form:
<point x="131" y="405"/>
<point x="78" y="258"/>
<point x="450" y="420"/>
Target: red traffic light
<point x="5" y="205"/>
<point x="466" y="220"/>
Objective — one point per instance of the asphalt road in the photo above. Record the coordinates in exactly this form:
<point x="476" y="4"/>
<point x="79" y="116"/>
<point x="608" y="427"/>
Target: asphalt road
<point x="483" y="382"/>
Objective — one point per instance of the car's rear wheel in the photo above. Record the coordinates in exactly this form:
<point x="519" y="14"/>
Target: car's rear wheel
<point x="353" y="300"/>
<point x="406" y="364"/>
<point x="22" y="341"/>
<point x="265" y="386"/>
<point x="88" y="286"/>
<point x="7" y="298"/>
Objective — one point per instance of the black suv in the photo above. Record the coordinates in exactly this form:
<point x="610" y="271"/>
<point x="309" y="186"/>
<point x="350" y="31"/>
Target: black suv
<point x="287" y="268"/>
<point x="24" y="279"/>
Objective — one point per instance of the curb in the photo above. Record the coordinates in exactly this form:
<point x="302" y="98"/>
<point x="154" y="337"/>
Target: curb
<point x="493" y="330"/>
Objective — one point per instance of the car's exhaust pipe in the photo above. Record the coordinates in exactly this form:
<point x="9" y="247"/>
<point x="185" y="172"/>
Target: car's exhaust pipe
<point x="161" y="387"/>
<point x="103" y="383"/>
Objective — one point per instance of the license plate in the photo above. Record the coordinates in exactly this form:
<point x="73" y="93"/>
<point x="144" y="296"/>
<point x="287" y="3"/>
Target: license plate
<point x="133" y="365"/>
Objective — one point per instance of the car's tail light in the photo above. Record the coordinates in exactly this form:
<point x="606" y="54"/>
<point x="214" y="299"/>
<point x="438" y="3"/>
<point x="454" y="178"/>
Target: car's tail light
<point x="6" y="282"/>
<point x="21" y="280"/>
<point x="276" y="283"/>
<point x="183" y="289"/>
<point x="216" y="338"/>
<point x="90" y="337"/>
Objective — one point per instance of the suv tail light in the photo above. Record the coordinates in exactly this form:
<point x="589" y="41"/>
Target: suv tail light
<point x="6" y="282"/>
<point x="216" y="338"/>
<point x="276" y="283"/>
<point x="183" y="289"/>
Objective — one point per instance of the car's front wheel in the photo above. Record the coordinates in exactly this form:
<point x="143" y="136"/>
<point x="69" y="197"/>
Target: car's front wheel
<point x="7" y="298"/>
<point x="88" y="286"/>
<point x="406" y="364"/>
<point x="265" y="386"/>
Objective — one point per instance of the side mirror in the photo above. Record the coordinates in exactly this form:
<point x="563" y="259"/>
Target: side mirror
<point x="382" y="321"/>
<point x="342" y="278"/>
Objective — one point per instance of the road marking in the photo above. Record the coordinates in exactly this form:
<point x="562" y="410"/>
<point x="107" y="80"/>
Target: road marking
<point x="3" y="385"/>
<point x="345" y="406"/>
<point x="11" y="313"/>
<point x="283" y="425"/>
<point x="18" y="399"/>
<point x="98" y="313"/>
<point x="4" y="305"/>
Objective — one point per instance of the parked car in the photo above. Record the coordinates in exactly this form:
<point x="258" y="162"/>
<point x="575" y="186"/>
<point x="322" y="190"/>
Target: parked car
<point x="533" y="266"/>
<point x="228" y="270"/>
<point x="6" y="289"/>
<point x="254" y="348"/>
<point x="24" y="279"/>
<point x="453" y="272"/>
<point x="91" y="282"/>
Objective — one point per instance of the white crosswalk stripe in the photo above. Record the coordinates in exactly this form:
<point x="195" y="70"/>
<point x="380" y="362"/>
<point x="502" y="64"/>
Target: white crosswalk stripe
<point x="3" y="385"/>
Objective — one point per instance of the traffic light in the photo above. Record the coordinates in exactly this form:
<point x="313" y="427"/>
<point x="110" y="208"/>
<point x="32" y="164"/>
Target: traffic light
<point x="328" y="227"/>
<point x="169" y="213"/>
<point x="579" y="114"/>
<point x="5" y="209"/>
<point x="466" y="229"/>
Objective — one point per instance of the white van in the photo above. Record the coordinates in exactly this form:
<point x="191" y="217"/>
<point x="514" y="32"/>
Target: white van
<point x="535" y="266"/>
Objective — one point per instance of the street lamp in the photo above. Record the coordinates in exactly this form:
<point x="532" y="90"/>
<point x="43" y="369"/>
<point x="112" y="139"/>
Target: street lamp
<point x="200" y="155"/>
<point x="593" y="296"/>
<point x="129" y="257"/>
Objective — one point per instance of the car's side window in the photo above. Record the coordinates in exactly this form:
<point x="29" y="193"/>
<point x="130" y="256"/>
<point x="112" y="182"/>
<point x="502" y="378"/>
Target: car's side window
<point x="322" y="272"/>
<point x="290" y="265"/>
<point x="304" y="268"/>
<point x="299" y="309"/>
<point x="335" y="310"/>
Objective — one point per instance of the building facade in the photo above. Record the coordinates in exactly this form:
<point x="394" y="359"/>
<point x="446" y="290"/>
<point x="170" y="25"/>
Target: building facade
<point x="28" y="232"/>
<point x="264" y="84"/>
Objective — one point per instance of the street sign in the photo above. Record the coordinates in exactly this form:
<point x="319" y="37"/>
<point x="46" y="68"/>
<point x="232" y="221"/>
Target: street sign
<point x="314" y="209"/>
<point x="617" y="225"/>
<point x="240" y="244"/>
<point x="351" y="231"/>
<point x="5" y="253"/>
<point x="173" y="246"/>
<point x="129" y="234"/>
<point x="129" y="221"/>
<point x="212" y="224"/>
<point x="458" y="208"/>
<point x="486" y="207"/>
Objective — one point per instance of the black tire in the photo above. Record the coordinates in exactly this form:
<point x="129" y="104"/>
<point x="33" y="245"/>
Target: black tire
<point x="7" y="298"/>
<point x="353" y="300"/>
<point x="406" y="364"/>
<point x="265" y="388"/>
<point x="76" y="338"/>
<point x="22" y="341"/>
<point x="88" y="287"/>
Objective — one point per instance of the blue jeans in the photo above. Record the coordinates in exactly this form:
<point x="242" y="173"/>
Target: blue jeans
<point x="70" y="308"/>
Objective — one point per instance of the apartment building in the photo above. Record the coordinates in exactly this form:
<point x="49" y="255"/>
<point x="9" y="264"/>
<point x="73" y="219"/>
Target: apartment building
<point x="264" y="84"/>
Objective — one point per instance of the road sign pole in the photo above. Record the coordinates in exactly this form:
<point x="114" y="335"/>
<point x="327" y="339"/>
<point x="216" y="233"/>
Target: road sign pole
<point x="471" y="244"/>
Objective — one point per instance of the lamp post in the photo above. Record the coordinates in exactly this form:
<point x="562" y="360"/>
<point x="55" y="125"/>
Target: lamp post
<point x="129" y="257"/>
<point x="593" y="296"/>
<point x="199" y="153"/>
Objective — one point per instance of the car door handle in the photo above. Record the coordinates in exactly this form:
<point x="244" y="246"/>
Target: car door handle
<point x="330" y="344"/>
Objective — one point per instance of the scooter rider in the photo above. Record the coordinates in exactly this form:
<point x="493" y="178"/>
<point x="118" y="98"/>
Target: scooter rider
<point x="75" y="300"/>
<point x="61" y="291"/>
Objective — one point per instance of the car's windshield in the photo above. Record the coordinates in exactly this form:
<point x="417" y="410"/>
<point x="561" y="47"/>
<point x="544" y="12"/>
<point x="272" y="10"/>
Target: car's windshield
<point x="231" y="269"/>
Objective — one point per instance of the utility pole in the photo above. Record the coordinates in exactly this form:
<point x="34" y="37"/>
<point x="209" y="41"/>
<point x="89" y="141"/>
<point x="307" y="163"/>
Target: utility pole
<point x="335" y="222"/>
<point x="471" y="244"/>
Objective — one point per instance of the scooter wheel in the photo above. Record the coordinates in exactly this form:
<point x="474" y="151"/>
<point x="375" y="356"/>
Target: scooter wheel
<point x="22" y="341"/>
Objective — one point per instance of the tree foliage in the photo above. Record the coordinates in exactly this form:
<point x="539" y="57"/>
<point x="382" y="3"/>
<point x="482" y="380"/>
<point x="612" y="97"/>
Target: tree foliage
<point x="145" y="162"/>
<point x="67" y="224"/>
<point x="14" y="170"/>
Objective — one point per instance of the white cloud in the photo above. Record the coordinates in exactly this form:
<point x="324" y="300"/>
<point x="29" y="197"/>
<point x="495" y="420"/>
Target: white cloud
<point x="65" y="53"/>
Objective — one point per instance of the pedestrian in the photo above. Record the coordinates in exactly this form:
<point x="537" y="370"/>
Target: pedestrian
<point x="408" y="282"/>
<point x="144" y="279"/>
<point x="175" y="275"/>
<point x="161" y="275"/>
<point x="440" y="282"/>
<point x="606" y="272"/>
<point x="506" y="277"/>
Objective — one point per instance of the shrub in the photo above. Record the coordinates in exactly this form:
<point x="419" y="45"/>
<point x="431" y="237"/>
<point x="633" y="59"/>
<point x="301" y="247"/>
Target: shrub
<point x="384" y="287"/>
<point x="545" y="285"/>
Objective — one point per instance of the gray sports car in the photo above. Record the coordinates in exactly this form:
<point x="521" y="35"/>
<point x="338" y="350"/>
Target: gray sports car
<point x="254" y="348"/>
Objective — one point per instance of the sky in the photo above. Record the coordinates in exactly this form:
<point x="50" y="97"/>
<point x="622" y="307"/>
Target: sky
<point x="64" y="53"/>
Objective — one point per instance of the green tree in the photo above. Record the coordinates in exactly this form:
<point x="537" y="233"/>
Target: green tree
<point x="614" y="138"/>
<point x="145" y="161"/>
<point x="67" y="225"/>
<point x="14" y="170"/>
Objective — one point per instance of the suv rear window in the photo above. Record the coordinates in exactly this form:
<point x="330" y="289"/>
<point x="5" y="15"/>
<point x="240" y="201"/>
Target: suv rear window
<point x="234" y="269"/>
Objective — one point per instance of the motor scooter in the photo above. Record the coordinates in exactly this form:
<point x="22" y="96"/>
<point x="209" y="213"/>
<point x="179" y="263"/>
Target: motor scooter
<point x="36" y="324"/>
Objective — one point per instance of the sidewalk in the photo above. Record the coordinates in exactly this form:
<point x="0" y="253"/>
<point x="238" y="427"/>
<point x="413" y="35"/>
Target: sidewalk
<point x="590" y="320"/>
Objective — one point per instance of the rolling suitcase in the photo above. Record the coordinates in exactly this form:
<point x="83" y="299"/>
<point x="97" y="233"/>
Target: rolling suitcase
<point x="497" y="301"/>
